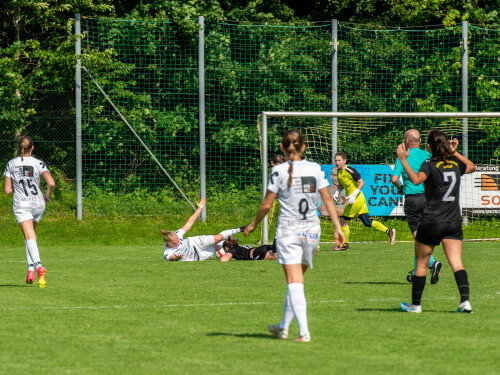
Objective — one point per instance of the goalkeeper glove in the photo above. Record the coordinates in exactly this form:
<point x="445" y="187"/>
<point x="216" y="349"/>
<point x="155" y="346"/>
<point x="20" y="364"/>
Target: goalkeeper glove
<point x="351" y="199"/>
<point x="336" y="195"/>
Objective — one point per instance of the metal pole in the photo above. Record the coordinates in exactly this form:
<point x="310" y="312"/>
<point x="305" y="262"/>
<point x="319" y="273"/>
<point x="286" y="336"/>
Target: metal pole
<point x="78" y="110"/>
<point x="465" y="88"/>
<point x="201" y="98"/>
<point x="334" y="88"/>
<point x="265" y="226"/>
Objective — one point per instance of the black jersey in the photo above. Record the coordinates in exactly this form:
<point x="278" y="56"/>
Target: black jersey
<point x="241" y="252"/>
<point x="442" y="190"/>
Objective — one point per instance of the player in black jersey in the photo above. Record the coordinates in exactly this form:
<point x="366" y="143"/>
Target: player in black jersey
<point x="235" y="251"/>
<point x="442" y="219"/>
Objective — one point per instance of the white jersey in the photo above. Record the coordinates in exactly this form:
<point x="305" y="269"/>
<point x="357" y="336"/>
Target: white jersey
<point x="191" y="248"/>
<point x="25" y="176"/>
<point x="298" y="202"/>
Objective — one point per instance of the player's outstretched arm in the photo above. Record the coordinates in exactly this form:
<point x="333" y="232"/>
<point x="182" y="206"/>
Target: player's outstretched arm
<point x="332" y="211"/>
<point x="194" y="217"/>
<point x="264" y="208"/>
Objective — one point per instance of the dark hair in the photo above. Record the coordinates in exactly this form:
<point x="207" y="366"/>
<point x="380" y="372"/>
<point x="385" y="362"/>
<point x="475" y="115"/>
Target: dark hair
<point x="342" y="155"/>
<point x="230" y="242"/>
<point x="292" y="142"/>
<point x="277" y="159"/>
<point x="25" y="146"/>
<point x="439" y="145"/>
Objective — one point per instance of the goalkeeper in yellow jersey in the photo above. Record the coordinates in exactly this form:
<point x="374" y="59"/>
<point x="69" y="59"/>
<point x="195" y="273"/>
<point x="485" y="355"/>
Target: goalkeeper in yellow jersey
<point x="351" y="181"/>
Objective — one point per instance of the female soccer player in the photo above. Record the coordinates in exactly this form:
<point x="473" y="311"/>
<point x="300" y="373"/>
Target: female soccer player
<point x="441" y="221"/>
<point x="233" y="250"/>
<point x="296" y="184"/>
<point x="22" y="176"/>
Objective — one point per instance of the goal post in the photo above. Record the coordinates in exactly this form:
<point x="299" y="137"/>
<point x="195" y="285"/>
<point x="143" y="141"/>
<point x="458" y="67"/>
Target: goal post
<point x="386" y="130"/>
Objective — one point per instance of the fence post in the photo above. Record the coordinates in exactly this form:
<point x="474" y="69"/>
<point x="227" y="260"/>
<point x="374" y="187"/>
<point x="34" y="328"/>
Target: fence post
<point x="465" y="88"/>
<point x="334" y="87"/>
<point x="78" y="111"/>
<point x="201" y="109"/>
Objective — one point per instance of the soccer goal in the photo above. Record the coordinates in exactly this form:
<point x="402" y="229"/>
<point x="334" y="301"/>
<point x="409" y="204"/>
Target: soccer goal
<point x="370" y="140"/>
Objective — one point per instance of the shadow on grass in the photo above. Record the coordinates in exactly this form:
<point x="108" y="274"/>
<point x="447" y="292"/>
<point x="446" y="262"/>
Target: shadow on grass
<point x="391" y="309"/>
<point x="376" y="282"/>
<point x="243" y="335"/>
<point x="14" y="286"/>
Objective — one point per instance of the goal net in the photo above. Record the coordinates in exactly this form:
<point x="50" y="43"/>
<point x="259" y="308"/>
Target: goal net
<point x="370" y="141"/>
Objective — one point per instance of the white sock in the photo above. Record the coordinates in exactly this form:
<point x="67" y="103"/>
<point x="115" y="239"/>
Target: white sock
<point x="29" y="262"/>
<point x="299" y="306"/>
<point x="229" y="232"/>
<point x="33" y="252"/>
<point x="287" y="312"/>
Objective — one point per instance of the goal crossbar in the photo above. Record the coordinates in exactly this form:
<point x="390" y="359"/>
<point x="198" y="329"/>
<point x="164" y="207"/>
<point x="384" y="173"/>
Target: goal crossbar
<point x="334" y="115"/>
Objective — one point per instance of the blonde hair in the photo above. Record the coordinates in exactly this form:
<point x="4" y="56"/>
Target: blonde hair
<point x="25" y="146"/>
<point x="292" y="143"/>
<point x="168" y="236"/>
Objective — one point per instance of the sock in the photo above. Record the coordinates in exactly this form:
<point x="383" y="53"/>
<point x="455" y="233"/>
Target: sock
<point x="287" y="312"/>
<point x="33" y="252"/>
<point x="299" y="306"/>
<point x="431" y="260"/>
<point x="417" y="289"/>
<point x="379" y="226"/>
<point x="29" y="262"/>
<point x="346" y="233"/>
<point x="463" y="285"/>
<point x="229" y="232"/>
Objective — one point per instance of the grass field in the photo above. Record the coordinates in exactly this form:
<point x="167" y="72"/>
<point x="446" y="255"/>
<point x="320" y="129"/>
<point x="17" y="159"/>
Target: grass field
<point x="121" y="309"/>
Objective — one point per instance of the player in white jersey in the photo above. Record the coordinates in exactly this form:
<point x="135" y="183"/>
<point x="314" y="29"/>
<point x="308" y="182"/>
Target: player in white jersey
<point x="178" y="248"/>
<point x="22" y="176"/>
<point x="296" y="184"/>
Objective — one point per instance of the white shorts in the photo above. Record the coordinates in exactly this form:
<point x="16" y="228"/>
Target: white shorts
<point x="33" y="211"/>
<point x="297" y="244"/>
<point x="203" y="245"/>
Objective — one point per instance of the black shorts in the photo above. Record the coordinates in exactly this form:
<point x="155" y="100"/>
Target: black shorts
<point x="259" y="253"/>
<point x="433" y="233"/>
<point x="414" y="207"/>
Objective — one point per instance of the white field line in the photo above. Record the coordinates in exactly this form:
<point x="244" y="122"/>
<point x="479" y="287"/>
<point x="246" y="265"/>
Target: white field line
<point x="182" y="305"/>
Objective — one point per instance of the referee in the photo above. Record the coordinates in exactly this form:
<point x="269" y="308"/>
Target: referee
<point x="414" y="194"/>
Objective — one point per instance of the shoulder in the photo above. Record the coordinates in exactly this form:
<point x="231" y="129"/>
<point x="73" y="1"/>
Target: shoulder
<point x="180" y="233"/>
<point x="352" y="171"/>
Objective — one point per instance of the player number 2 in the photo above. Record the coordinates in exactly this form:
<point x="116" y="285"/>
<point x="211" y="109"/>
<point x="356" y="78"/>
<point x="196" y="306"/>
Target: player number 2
<point x="452" y="178"/>
<point x="303" y="208"/>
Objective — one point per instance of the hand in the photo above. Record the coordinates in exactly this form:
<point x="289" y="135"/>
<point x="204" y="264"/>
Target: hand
<point x="249" y="229"/>
<point x="339" y="237"/>
<point x="46" y="198"/>
<point x="201" y="203"/>
<point x="400" y="189"/>
<point x="351" y="199"/>
<point x="176" y="257"/>
<point x="453" y="145"/>
<point x="403" y="152"/>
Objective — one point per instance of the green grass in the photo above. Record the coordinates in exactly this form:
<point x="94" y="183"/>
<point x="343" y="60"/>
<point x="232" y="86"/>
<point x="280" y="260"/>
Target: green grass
<point x="121" y="309"/>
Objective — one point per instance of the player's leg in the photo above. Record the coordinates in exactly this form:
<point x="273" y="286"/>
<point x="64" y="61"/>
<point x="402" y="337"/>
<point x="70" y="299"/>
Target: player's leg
<point x="344" y="223"/>
<point x="30" y="277"/>
<point x="229" y="232"/>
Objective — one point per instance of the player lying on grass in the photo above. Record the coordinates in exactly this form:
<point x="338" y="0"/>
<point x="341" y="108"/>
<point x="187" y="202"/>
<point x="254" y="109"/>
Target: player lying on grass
<point x="233" y="250"/>
<point x="441" y="218"/>
<point x="351" y="181"/>
<point x="178" y="248"/>
<point x="414" y="194"/>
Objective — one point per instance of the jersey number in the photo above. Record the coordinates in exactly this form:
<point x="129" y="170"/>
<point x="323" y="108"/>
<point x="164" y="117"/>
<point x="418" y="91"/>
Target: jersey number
<point x="303" y="208"/>
<point x="452" y="178"/>
<point x="32" y="187"/>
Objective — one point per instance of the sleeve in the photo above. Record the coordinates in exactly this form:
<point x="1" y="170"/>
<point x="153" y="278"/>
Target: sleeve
<point x="180" y="233"/>
<point x="6" y="173"/>
<point x="462" y="166"/>
<point x="426" y="168"/>
<point x="42" y="167"/>
<point x="354" y="173"/>
<point x="322" y="181"/>
<point x="273" y="182"/>
<point x="167" y="252"/>
<point x="398" y="168"/>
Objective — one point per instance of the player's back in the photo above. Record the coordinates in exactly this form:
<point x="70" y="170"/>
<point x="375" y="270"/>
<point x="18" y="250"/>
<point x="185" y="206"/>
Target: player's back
<point x="25" y="173"/>
<point x="298" y="201"/>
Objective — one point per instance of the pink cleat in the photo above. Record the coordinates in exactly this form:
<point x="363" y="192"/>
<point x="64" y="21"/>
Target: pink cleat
<point x="30" y="279"/>
<point x="41" y="277"/>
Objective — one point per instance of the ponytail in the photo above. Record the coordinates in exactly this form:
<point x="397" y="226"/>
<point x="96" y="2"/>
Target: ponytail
<point x="292" y="143"/>
<point x="25" y="146"/>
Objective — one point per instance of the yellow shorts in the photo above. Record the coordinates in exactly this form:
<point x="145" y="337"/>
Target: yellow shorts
<point x="358" y="208"/>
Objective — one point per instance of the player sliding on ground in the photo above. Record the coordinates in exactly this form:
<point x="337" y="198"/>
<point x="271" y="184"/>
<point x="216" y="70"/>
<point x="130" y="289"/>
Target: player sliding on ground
<point x="414" y="194"/>
<point x="441" y="219"/>
<point x="233" y="250"/>
<point x="178" y="248"/>
<point x="351" y="181"/>
<point x="296" y="184"/>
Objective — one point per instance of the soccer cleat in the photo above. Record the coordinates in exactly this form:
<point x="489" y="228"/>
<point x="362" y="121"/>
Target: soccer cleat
<point x="281" y="333"/>
<point x="41" y="277"/>
<point x="392" y="236"/>
<point x="242" y="229"/>
<point x="30" y="278"/>
<point x="409" y="278"/>
<point x="464" y="307"/>
<point x="341" y="248"/>
<point x="435" y="268"/>
<point x="317" y="251"/>
<point x="408" y="307"/>
<point x="304" y="338"/>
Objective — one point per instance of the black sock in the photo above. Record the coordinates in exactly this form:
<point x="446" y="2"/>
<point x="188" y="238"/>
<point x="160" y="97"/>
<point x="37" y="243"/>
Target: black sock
<point x="463" y="285"/>
<point x="417" y="289"/>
